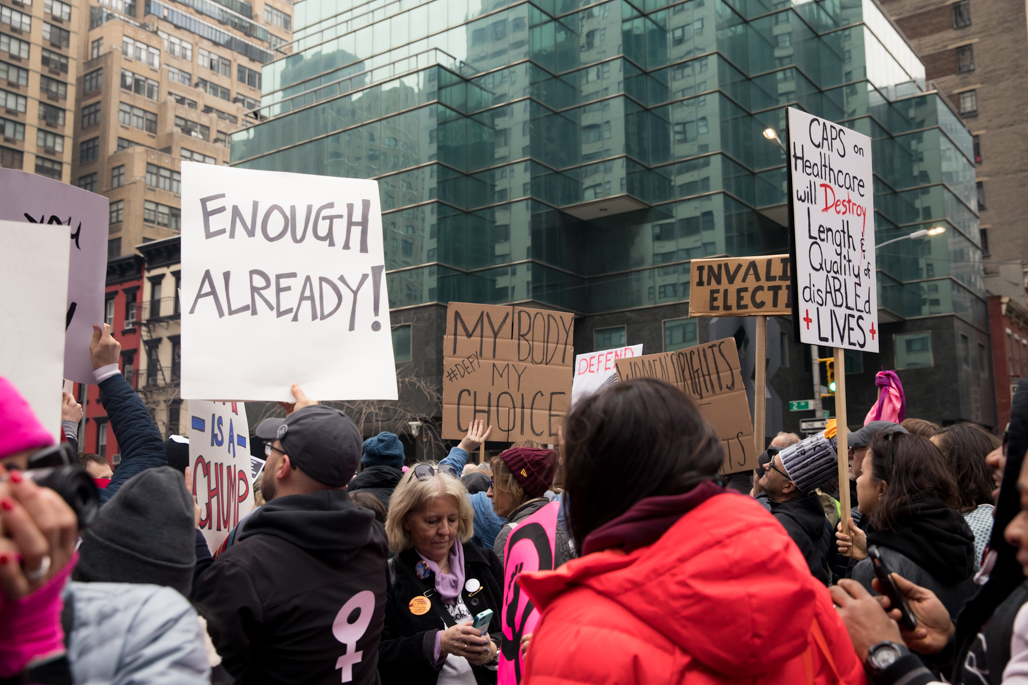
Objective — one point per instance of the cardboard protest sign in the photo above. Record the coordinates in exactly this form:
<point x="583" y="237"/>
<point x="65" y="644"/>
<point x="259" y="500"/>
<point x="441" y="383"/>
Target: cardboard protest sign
<point x="747" y="286"/>
<point x="831" y="191"/>
<point x="532" y="546"/>
<point x="509" y="366"/>
<point x="709" y="374"/>
<point x="219" y="454"/>
<point x="283" y="281"/>
<point x="597" y="370"/>
<point x="40" y="200"/>
<point x="34" y="275"/>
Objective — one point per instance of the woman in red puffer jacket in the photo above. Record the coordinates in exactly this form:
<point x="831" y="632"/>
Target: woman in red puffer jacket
<point x="680" y="581"/>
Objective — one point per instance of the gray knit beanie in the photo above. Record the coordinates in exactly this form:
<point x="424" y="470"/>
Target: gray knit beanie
<point x="810" y="462"/>
<point x="146" y="533"/>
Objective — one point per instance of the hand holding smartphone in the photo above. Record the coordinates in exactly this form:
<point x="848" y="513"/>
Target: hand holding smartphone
<point x="907" y="620"/>
<point x="483" y="620"/>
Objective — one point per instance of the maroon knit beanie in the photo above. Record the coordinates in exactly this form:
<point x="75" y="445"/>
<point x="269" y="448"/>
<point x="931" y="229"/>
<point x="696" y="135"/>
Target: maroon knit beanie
<point x="533" y="468"/>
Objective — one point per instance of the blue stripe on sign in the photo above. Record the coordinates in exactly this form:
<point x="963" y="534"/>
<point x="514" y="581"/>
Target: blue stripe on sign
<point x="241" y="441"/>
<point x="199" y="424"/>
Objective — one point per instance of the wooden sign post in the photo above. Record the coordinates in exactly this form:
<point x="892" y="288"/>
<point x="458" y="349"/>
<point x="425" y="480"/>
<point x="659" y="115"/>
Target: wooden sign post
<point x="748" y="286"/>
<point x="831" y="211"/>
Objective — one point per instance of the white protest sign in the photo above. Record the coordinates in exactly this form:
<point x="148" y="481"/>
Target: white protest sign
<point x="219" y="454"/>
<point x="256" y="466"/>
<point x="40" y="200"/>
<point x="597" y="370"/>
<point x="834" y="233"/>
<point x="283" y="281"/>
<point x="34" y="275"/>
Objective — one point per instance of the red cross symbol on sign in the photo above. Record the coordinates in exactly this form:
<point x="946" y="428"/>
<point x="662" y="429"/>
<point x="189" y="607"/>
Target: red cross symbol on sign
<point x="807" y="319"/>
<point x="873" y="331"/>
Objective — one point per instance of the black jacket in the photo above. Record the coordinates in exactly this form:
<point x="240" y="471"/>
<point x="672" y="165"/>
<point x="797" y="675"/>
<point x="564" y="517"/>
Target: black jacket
<point x="303" y="589"/>
<point x="562" y="546"/>
<point x="406" y="656"/>
<point x="141" y="444"/>
<point x="380" y="481"/>
<point x="805" y="521"/>
<point x="930" y="545"/>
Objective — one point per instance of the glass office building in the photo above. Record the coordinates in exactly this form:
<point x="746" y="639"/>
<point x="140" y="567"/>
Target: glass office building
<point x="579" y="154"/>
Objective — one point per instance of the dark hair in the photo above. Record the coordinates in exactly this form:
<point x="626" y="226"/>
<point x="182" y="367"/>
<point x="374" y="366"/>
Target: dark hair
<point x="920" y="427"/>
<point x="636" y="439"/>
<point x="914" y="469"/>
<point x="965" y="447"/>
<point x="365" y="500"/>
<point x="87" y="457"/>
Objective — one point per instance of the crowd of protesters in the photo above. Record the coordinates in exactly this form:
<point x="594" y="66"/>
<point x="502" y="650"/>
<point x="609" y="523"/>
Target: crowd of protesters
<point x="660" y="569"/>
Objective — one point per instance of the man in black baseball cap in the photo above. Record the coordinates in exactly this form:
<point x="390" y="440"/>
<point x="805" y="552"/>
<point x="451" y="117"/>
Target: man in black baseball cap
<point x="306" y="565"/>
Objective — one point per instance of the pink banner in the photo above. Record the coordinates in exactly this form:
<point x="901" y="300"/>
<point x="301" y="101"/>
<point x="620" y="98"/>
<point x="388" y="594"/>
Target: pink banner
<point x="530" y="547"/>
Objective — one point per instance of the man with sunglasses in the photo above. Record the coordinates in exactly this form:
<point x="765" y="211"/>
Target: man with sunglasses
<point x="797" y="507"/>
<point x="301" y="595"/>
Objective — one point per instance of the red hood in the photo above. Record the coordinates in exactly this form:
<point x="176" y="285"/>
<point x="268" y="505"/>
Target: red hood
<point x="726" y="566"/>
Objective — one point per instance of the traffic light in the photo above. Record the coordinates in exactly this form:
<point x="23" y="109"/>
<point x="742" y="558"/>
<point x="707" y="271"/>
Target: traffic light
<point x="829" y="363"/>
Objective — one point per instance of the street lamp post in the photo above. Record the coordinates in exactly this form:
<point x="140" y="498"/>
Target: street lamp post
<point x="924" y="232"/>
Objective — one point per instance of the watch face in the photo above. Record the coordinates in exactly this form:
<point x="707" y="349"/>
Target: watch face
<point x="883" y="656"/>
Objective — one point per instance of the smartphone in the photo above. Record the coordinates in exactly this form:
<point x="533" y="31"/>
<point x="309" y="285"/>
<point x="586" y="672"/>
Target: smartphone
<point x="907" y="620"/>
<point x="483" y="620"/>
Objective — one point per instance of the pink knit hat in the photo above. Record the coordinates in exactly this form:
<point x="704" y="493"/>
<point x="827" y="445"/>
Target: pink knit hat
<point x="20" y="430"/>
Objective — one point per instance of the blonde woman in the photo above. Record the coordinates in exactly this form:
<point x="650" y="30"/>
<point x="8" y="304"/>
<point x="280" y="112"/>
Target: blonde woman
<point x="437" y="586"/>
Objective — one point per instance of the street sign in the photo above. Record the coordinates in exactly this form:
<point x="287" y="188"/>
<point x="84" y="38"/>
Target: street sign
<point x="813" y="425"/>
<point x="802" y="405"/>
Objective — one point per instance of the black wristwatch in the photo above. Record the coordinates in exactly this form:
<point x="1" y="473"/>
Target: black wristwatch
<point x="883" y="655"/>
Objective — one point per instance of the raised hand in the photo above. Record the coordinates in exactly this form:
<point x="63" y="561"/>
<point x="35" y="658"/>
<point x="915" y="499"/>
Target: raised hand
<point x="70" y="409"/>
<point x="104" y="350"/>
<point x="301" y="400"/>
<point x="477" y="434"/>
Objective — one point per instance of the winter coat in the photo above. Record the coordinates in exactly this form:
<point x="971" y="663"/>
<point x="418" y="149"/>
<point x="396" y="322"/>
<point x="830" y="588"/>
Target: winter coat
<point x="805" y="521"/>
<point x="142" y="446"/>
<point x="126" y="634"/>
<point x="487" y="523"/>
<point x="301" y="595"/>
<point x="930" y="545"/>
<point x="379" y="481"/>
<point x="717" y="594"/>
<point x="562" y="548"/>
<point x="407" y="655"/>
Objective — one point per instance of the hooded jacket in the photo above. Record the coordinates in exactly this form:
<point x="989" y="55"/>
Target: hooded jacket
<point x="128" y="633"/>
<point x="379" y="481"/>
<point x="930" y="545"/>
<point x="301" y="596"/>
<point x="805" y="521"/>
<point x="721" y="596"/>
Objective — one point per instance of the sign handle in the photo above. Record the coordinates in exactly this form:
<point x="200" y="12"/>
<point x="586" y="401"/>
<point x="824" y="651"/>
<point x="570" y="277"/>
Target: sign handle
<point x="760" y="386"/>
<point x="842" y="436"/>
<point x="481" y="453"/>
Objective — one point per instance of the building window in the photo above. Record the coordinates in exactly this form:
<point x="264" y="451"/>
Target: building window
<point x="101" y="437"/>
<point x="53" y="60"/>
<point x="118" y="176"/>
<point x="214" y="89"/>
<point x="191" y="156"/>
<point x="48" y="167"/>
<point x="88" y="182"/>
<point x="14" y="46"/>
<point x="165" y="179"/>
<point x="984" y="233"/>
<point x="161" y="215"/>
<point x="216" y="63"/>
<point x="52" y="142"/>
<point x="983" y="360"/>
<point x="137" y="118"/>
<point x="191" y="128"/>
<point x="131" y="306"/>
<point x="96" y="48"/>
<point x="13" y="101"/>
<point x="277" y="18"/>
<point x="401" y="343"/>
<point x="176" y="357"/>
<point x="15" y="19"/>
<point x="117" y="210"/>
<point x="177" y="47"/>
<point x="109" y="301"/>
<point x="54" y="116"/>
<point x="977" y="149"/>
<point x="53" y="88"/>
<point x="140" y="52"/>
<point x="184" y="101"/>
<point x="153" y="361"/>
<point x="609" y="338"/>
<point x="13" y="74"/>
<point x="1010" y="354"/>
<point x="12" y="129"/>
<point x="679" y="334"/>
<point x="139" y="85"/>
<point x="249" y="76"/>
<point x="56" y="36"/>
<point x="128" y="365"/>
<point x="174" y="411"/>
<point x="179" y="76"/>
<point x="11" y="159"/>
<point x="962" y="14"/>
<point x="980" y="186"/>
<point x="113" y="248"/>
<point x="92" y="81"/>
<point x="91" y="115"/>
<point x="250" y="103"/>
<point x="969" y="103"/>
<point x="965" y="351"/>
<point x="57" y="9"/>
<point x="965" y="59"/>
<point x="913" y="350"/>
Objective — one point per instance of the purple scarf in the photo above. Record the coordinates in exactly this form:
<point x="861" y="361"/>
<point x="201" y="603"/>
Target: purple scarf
<point x="449" y="585"/>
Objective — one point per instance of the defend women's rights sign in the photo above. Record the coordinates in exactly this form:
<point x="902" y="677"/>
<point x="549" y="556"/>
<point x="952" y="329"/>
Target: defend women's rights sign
<point x="832" y="198"/>
<point x="283" y="281"/>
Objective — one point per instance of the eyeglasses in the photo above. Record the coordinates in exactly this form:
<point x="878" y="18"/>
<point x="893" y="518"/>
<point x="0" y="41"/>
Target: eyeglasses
<point x="771" y="465"/>
<point x="425" y="471"/>
<point x="268" y="449"/>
